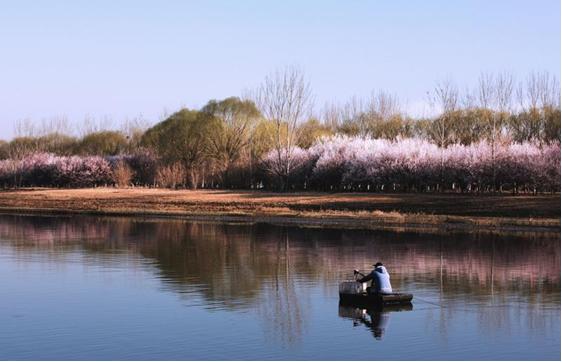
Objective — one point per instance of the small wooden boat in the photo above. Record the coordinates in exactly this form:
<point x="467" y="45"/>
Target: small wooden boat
<point x="380" y="299"/>
<point x="355" y="292"/>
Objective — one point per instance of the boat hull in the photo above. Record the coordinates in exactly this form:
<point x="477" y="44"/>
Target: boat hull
<point x="378" y="299"/>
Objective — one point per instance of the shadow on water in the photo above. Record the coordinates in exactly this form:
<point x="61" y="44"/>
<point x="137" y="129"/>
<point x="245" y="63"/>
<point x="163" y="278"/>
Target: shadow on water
<point x="280" y="272"/>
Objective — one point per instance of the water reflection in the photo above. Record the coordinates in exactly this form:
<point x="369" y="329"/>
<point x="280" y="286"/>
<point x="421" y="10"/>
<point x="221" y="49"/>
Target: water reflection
<point x="375" y="319"/>
<point x="231" y="262"/>
<point x="281" y="272"/>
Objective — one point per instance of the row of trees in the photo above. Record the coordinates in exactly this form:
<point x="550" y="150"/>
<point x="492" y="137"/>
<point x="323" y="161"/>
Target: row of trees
<point x="339" y="163"/>
<point x="42" y="169"/>
<point x="260" y="141"/>
<point x="415" y="165"/>
<point x="98" y="143"/>
<point x="49" y="170"/>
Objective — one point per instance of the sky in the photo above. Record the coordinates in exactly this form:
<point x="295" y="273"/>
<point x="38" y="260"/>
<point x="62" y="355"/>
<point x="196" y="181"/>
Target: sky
<point x="119" y="60"/>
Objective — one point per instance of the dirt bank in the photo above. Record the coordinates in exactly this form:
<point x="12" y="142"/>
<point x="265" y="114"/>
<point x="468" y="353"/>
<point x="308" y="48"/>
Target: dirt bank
<point x="380" y="211"/>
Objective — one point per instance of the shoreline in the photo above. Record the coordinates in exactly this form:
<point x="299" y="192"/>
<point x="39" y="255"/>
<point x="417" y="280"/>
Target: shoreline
<point x="301" y="209"/>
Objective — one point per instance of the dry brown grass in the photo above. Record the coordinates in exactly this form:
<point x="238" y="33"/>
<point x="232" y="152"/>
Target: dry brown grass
<point x="346" y="209"/>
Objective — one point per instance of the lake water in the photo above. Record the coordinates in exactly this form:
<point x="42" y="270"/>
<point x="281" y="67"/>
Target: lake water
<point x="128" y="288"/>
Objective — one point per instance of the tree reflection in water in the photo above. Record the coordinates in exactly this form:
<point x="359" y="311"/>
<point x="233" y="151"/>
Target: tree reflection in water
<point x="272" y="269"/>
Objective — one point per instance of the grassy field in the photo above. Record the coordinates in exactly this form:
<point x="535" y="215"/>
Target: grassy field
<point x="320" y="209"/>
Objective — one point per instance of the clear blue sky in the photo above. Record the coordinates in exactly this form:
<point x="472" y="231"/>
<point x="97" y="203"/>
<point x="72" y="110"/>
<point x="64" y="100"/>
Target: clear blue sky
<point x="124" y="58"/>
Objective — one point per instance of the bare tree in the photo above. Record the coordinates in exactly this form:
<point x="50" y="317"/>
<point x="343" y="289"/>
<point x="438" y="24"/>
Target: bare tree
<point x="56" y="125"/>
<point x="133" y="129"/>
<point x="532" y="92"/>
<point x="502" y="101"/>
<point x="353" y="117"/>
<point x="47" y="135"/>
<point x="548" y="89"/>
<point x="364" y="117"/>
<point x="504" y="91"/>
<point x="383" y="105"/>
<point x="93" y="125"/>
<point x="503" y="94"/>
<point x="25" y="128"/>
<point x="538" y="98"/>
<point x="381" y="108"/>
<point x="285" y="98"/>
<point x="486" y="96"/>
<point x="131" y="126"/>
<point x="485" y="90"/>
<point x="331" y="116"/>
<point x="446" y="97"/>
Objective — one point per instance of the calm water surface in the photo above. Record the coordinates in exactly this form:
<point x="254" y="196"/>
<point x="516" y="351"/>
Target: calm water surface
<point x="119" y="288"/>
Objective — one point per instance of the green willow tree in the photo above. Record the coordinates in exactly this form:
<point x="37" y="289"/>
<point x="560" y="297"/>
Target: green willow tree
<point x="183" y="137"/>
<point x="103" y="143"/>
<point x="230" y="142"/>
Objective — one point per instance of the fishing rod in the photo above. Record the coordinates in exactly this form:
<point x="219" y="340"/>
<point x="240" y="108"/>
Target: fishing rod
<point x="357" y="272"/>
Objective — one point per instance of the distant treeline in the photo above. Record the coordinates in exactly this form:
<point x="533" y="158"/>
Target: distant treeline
<point x="500" y="136"/>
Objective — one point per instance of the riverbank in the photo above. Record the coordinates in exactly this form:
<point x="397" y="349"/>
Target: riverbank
<point x="423" y="212"/>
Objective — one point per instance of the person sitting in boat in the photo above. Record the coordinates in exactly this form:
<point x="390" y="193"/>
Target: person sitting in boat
<point x="380" y="280"/>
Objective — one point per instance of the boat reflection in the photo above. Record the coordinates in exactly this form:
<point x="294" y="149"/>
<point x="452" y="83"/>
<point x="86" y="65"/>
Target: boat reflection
<point x="376" y="318"/>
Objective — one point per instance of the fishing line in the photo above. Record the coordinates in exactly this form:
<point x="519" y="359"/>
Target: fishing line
<point x="440" y="305"/>
<point x="429" y="302"/>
